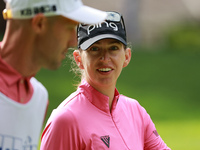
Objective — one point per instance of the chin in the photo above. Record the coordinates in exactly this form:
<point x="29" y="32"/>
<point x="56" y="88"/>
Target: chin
<point x="54" y="66"/>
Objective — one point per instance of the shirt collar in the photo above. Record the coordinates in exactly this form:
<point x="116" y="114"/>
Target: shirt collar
<point x="9" y="74"/>
<point x="98" y="99"/>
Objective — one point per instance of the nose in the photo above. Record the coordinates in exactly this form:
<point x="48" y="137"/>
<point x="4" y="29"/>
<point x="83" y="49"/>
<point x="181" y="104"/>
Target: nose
<point x="105" y="57"/>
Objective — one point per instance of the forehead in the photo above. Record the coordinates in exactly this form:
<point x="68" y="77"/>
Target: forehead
<point x="66" y="20"/>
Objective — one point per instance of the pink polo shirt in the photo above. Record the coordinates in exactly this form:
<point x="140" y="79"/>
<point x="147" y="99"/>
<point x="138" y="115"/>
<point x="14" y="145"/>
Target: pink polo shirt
<point x="84" y="122"/>
<point x="13" y="84"/>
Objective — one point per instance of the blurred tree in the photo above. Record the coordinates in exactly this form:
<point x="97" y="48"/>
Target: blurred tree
<point x="183" y="36"/>
<point x="130" y="10"/>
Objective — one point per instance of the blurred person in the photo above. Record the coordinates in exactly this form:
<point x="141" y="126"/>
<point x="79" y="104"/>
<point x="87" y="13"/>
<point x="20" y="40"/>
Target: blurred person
<point x="96" y="116"/>
<point x="38" y="34"/>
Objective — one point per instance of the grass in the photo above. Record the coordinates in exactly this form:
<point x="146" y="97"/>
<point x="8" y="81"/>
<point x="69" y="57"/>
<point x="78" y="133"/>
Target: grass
<point x="180" y="135"/>
<point x="166" y="83"/>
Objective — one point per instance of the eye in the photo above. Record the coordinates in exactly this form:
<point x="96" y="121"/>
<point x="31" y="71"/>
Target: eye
<point x="94" y="48"/>
<point x="114" y="47"/>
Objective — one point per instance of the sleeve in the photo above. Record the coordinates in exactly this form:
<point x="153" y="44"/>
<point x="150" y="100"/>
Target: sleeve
<point x="61" y="133"/>
<point x="152" y="140"/>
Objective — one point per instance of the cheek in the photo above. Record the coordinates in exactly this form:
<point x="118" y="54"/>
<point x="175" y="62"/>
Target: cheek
<point x="59" y="32"/>
<point x="60" y="36"/>
<point x="88" y="63"/>
<point x="122" y="61"/>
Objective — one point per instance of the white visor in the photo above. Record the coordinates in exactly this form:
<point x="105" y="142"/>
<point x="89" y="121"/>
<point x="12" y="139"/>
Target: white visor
<point x="72" y="9"/>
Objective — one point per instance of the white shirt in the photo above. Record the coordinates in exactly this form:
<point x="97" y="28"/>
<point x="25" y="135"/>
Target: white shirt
<point x="21" y="124"/>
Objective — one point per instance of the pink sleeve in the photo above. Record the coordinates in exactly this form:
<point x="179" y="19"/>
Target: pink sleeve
<point x="56" y="136"/>
<point x="152" y="140"/>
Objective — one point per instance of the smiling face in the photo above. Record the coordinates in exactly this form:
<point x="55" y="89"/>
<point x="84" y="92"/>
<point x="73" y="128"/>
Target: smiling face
<point x="103" y="62"/>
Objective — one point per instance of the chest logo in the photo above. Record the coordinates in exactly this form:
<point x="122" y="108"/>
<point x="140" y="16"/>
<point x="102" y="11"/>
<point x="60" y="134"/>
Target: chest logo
<point x="106" y="140"/>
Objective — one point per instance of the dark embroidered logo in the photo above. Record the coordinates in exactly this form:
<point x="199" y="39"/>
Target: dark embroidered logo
<point x="156" y="133"/>
<point x="106" y="140"/>
<point x="36" y="10"/>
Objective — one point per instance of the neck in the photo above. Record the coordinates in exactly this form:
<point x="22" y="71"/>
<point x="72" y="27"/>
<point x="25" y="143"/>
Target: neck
<point x="108" y="90"/>
<point x="16" y="50"/>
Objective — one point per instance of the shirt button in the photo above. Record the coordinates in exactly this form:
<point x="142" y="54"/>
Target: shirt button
<point x="22" y="81"/>
<point x="22" y="100"/>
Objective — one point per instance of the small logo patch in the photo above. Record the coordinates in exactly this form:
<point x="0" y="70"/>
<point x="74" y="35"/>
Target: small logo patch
<point x="106" y="140"/>
<point x="156" y="133"/>
<point x="36" y="10"/>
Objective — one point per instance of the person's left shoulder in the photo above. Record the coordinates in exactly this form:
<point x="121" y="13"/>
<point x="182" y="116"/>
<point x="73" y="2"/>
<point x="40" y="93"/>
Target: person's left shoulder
<point x="37" y="85"/>
<point x="128" y="99"/>
<point x="130" y="103"/>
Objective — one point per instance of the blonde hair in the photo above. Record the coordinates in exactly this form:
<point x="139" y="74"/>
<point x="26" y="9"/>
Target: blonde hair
<point x="74" y="68"/>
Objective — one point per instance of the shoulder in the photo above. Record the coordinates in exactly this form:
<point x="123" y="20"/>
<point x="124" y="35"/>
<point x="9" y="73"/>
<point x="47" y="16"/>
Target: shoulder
<point x="63" y="130"/>
<point x="129" y="101"/>
<point x="71" y="97"/>
<point x="38" y="85"/>
<point x="62" y="121"/>
<point x="63" y="113"/>
<point x="132" y="105"/>
<point x="60" y="130"/>
<point x="65" y="116"/>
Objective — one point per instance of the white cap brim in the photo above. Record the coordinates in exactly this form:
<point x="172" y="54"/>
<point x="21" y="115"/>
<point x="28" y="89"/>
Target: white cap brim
<point x="85" y="45"/>
<point x="72" y="9"/>
<point x="87" y="15"/>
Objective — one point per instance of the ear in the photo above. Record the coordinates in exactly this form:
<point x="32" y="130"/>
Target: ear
<point x="127" y="57"/>
<point x="39" y="22"/>
<point x="77" y="58"/>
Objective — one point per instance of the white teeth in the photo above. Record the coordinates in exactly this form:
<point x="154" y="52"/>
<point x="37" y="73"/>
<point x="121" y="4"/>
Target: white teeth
<point x="105" y="69"/>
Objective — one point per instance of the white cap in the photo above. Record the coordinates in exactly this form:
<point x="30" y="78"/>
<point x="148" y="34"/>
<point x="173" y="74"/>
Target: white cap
<point x="72" y="9"/>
